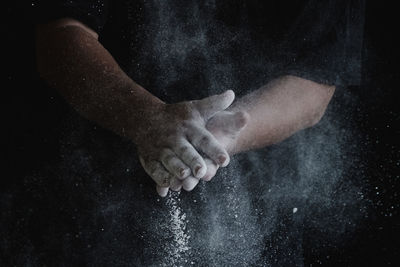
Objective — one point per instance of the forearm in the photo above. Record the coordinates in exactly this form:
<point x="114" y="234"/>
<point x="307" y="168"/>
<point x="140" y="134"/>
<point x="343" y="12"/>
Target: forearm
<point x="279" y="109"/>
<point x="72" y="61"/>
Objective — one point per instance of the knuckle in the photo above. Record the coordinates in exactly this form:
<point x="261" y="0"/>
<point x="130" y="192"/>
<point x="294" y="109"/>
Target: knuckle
<point x="183" y="150"/>
<point x="154" y="172"/>
<point x="151" y="169"/>
<point x="168" y="159"/>
<point x="195" y="159"/>
<point x="174" y="141"/>
<point x="175" y="138"/>
<point x="165" y="180"/>
<point x="186" y="124"/>
<point x="205" y="141"/>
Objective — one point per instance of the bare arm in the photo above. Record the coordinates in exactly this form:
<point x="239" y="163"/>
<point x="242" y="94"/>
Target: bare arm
<point x="279" y="109"/>
<point x="268" y="115"/>
<point x="71" y="59"/>
<point x="169" y="137"/>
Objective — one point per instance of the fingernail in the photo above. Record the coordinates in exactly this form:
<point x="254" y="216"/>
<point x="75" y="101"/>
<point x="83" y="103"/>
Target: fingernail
<point x="197" y="168"/>
<point x="166" y="182"/>
<point x="221" y="159"/>
<point x="182" y="172"/>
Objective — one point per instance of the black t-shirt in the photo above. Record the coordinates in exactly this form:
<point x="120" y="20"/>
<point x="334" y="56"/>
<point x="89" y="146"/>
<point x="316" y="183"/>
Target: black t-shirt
<point x="189" y="49"/>
<point x="95" y="206"/>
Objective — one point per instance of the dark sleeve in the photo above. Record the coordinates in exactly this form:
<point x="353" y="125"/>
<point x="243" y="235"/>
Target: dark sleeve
<point x="325" y="43"/>
<point x="92" y="13"/>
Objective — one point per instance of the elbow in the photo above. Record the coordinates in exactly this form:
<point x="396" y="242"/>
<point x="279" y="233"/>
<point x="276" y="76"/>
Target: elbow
<point x="318" y="110"/>
<point x="316" y="117"/>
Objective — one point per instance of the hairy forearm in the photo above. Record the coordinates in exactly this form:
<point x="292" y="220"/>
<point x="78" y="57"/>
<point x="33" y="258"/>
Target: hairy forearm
<point x="71" y="60"/>
<point x="279" y="109"/>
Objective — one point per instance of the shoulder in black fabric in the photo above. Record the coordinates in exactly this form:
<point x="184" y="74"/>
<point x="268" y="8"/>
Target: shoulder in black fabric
<point x="93" y="13"/>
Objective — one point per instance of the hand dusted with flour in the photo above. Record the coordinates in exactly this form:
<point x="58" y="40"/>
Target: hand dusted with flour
<point x="172" y="138"/>
<point x="169" y="137"/>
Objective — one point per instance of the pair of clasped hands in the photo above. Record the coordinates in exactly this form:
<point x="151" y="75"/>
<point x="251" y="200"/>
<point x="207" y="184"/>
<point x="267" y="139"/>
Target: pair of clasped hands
<point x="188" y="141"/>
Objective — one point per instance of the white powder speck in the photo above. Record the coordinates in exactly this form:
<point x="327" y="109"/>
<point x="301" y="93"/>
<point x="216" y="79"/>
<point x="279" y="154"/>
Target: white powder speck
<point x="294" y="210"/>
<point x="179" y="245"/>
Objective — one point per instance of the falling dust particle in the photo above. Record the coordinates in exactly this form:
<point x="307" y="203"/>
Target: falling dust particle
<point x="177" y="248"/>
<point x="294" y="210"/>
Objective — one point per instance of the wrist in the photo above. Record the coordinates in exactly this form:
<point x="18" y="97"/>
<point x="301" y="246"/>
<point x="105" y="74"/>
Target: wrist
<point x="143" y="109"/>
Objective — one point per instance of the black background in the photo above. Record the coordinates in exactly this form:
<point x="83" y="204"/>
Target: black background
<point x="31" y="113"/>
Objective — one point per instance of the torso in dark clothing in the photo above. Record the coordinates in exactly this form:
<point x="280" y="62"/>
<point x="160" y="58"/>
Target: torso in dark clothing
<point x="189" y="49"/>
<point x="94" y="205"/>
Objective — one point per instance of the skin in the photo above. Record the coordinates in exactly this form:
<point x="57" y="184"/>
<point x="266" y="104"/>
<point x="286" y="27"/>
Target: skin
<point x="171" y="140"/>
<point x="169" y="137"/>
<point x="172" y="137"/>
<point x="269" y="115"/>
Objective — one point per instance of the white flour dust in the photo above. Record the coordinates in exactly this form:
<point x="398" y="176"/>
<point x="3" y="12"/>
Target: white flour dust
<point x="178" y="246"/>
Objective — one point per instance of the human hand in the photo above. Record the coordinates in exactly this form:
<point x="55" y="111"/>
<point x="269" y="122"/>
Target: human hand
<point x="171" y="137"/>
<point x="226" y="127"/>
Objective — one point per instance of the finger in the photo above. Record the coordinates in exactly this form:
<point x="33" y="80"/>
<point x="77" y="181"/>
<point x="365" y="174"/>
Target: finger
<point x="190" y="183"/>
<point x="176" y="184"/>
<point x="162" y="191"/>
<point x="157" y="172"/>
<point x="211" y="170"/>
<point x="188" y="154"/>
<point x="205" y="142"/>
<point x="173" y="164"/>
<point x="209" y="106"/>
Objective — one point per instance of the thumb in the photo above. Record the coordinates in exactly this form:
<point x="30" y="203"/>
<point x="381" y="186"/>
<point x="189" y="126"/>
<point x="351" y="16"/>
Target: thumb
<point x="228" y="122"/>
<point x="209" y="106"/>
